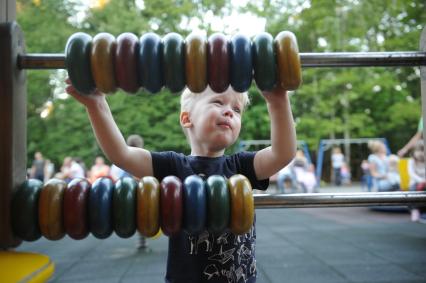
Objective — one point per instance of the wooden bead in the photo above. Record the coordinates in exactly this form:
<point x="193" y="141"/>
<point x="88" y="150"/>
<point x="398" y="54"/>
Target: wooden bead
<point x="102" y="62"/>
<point x="218" y="204"/>
<point x="264" y="64"/>
<point x="174" y="62"/>
<point x="148" y="207"/>
<point x="126" y="62"/>
<point x="218" y="62"/>
<point x="196" y="62"/>
<point x="77" y="61"/>
<point x="24" y="210"/>
<point x="241" y="72"/>
<point x="242" y="204"/>
<point x="194" y="204"/>
<point x="76" y="198"/>
<point x="100" y="208"/>
<point x="50" y="209"/>
<point x="171" y="205"/>
<point x="288" y="61"/>
<point x="124" y="207"/>
<point x="150" y="63"/>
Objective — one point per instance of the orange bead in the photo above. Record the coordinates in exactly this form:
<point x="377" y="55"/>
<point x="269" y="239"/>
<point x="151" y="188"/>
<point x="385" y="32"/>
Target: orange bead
<point x="196" y="62"/>
<point x="148" y="206"/>
<point x="102" y="62"/>
<point x="242" y="204"/>
<point x="50" y="209"/>
<point x="288" y="61"/>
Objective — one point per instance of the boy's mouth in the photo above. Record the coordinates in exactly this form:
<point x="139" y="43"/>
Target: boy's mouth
<point x="224" y="124"/>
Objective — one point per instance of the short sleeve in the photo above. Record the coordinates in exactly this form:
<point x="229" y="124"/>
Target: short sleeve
<point x="244" y="162"/>
<point x="163" y="164"/>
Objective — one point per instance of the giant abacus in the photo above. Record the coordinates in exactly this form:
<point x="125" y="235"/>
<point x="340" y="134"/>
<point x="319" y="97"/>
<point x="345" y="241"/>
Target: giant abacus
<point x="151" y="63"/>
<point x="55" y="208"/>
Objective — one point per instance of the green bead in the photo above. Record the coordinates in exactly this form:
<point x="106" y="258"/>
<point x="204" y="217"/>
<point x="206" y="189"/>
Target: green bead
<point x="25" y="210"/>
<point x="218" y="204"/>
<point x="124" y="207"/>
<point x="77" y="62"/>
<point x="264" y="65"/>
<point x="174" y="62"/>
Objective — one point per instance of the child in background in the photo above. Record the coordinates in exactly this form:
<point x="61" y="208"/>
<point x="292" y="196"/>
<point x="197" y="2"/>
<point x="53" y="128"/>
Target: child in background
<point x="393" y="171"/>
<point x="416" y="171"/>
<point x="211" y="122"/>
<point x="99" y="169"/>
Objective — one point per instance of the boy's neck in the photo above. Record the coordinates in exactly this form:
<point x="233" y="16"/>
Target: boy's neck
<point x="207" y="153"/>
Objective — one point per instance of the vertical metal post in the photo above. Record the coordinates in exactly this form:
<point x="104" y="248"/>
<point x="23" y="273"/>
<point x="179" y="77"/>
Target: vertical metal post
<point x="13" y="128"/>
<point x="7" y="11"/>
<point x="423" y="82"/>
<point x="320" y="157"/>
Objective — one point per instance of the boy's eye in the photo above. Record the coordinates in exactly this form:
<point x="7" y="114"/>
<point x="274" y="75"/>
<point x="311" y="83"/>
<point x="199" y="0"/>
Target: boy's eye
<point x="217" y="102"/>
<point x="237" y="110"/>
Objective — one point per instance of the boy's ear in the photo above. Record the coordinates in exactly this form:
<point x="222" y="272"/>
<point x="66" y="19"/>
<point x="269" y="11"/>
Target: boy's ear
<point x="185" y="121"/>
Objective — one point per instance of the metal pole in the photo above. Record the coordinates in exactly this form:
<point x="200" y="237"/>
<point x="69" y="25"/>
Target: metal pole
<point x="342" y="59"/>
<point x="340" y="200"/>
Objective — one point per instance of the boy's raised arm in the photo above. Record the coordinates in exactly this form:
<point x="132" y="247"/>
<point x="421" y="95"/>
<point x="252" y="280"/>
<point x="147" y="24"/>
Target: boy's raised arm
<point x="270" y="160"/>
<point x="136" y="161"/>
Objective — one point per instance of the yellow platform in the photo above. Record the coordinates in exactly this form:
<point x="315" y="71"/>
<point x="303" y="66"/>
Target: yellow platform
<point x="25" y="267"/>
<point x="403" y="174"/>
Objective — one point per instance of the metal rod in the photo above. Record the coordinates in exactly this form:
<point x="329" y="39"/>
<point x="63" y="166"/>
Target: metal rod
<point x="340" y="199"/>
<point x="308" y="60"/>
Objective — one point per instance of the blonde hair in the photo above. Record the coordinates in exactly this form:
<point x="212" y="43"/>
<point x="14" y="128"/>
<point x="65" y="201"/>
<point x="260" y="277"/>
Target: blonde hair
<point x="374" y="145"/>
<point x="189" y="98"/>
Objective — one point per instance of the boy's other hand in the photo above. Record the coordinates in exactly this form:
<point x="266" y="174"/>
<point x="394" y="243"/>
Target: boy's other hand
<point x="275" y="96"/>
<point x="86" y="100"/>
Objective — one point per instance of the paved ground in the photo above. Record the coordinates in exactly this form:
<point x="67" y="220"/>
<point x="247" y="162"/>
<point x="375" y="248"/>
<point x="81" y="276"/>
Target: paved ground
<point x="293" y="245"/>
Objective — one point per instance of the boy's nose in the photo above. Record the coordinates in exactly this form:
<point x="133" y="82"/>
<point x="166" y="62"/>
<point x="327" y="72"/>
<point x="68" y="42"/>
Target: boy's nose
<point x="228" y="112"/>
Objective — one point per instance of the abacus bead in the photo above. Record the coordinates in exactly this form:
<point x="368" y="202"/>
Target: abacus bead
<point x="102" y="62"/>
<point x="264" y="64"/>
<point x="218" y="62"/>
<point x="288" y="61"/>
<point x="241" y="63"/>
<point x="242" y="204"/>
<point x="100" y="208"/>
<point x="196" y="62"/>
<point x="124" y="207"/>
<point x="77" y="61"/>
<point x="195" y="205"/>
<point x="76" y="198"/>
<point x="150" y="63"/>
<point x="218" y="204"/>
<point x="148" y="206"/>
<point x="126" y="62"/>
<point x="174" y="62"/>
<point x="24" y="211"/>
<point x="50" y="209"/>
<point x="171" y="205"/>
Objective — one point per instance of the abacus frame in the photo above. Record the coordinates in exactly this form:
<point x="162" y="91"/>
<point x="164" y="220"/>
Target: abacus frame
<point x="13" y="115"/>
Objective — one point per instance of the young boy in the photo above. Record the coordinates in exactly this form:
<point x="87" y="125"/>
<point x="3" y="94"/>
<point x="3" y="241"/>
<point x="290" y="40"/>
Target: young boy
<point x="212" y="122"/>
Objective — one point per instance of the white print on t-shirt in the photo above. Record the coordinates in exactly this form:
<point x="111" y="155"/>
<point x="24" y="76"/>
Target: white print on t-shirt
<point x="234" y="260"/>
<point x="234" y="275"/>
<point x="223" y="256"/>
<point x="211" y="271"/>
<point x="204" y="237"/>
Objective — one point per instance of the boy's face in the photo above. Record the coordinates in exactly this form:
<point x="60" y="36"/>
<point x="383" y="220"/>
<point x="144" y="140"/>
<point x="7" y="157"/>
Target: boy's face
<point x="215" y="120"/>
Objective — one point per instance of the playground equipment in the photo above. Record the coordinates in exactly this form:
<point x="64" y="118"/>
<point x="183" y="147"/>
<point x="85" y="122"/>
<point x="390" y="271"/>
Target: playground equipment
<point x="326" y="144"/>
<point x="246" y="144"/>
<point x="13" y="149"/>
<point x="13" y="111"/>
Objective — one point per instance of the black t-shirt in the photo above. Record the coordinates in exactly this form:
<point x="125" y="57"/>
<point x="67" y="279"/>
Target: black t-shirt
<point x="207" y="257"/>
